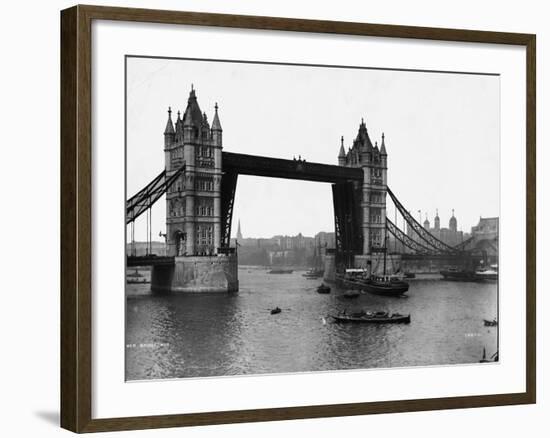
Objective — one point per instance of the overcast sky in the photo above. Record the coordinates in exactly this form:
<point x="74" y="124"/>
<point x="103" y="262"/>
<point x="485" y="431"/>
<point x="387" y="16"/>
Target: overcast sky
<point x="442" y="135"/>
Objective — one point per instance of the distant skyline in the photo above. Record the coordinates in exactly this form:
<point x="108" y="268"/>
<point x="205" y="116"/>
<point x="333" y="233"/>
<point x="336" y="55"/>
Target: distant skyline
<point x="442" y="135"/>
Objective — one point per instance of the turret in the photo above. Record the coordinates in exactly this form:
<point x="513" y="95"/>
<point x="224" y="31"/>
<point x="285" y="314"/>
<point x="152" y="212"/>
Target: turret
<point x="179" y="128"/>
<point x="452" y="222"/>
<point x="216" y="127"/>
<point x="383" y="147"/>
<point x="188" y="126"/>
<point x="342" y="154"/>
<point x="192" y="118"/>
<point x="436" y="220"/>
<point x="169" y="132"/>
<point x="363" y="138"/>
<point x="427" y="223"/>
<point x="205" y="127"/>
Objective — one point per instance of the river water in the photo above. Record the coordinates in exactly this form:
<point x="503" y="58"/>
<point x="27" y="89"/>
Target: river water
<point x="197" y="335"/>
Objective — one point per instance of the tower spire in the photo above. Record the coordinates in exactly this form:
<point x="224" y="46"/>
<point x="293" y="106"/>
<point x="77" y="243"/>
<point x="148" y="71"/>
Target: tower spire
<point x="216" y="125"/>
<point x="193" y="114"/>
<point x="342" y="153"/>
<point x="169" y="125"/>
<point x="383" y="147"/>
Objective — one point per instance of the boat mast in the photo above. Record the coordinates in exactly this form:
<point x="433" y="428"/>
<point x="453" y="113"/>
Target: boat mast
<point x="385" y="248"/>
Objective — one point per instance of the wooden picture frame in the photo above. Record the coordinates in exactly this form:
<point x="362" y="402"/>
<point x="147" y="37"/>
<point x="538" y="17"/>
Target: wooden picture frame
<point x="76" y="217"/>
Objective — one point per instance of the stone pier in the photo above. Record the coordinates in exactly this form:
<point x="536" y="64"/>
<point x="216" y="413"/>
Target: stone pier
<point x="197" y="274"/>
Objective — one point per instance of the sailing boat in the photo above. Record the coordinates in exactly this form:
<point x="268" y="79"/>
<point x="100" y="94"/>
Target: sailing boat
<point x="317" y="271"/>
<point x="386" y="285"/>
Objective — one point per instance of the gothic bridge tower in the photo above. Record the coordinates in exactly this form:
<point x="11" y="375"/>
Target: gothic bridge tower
<point x="193" y="202"/>
<point x="372" y="194"/>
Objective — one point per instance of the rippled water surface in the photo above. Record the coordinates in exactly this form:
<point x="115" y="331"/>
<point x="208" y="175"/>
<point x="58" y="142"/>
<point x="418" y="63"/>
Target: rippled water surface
<point x="194" y="335"/>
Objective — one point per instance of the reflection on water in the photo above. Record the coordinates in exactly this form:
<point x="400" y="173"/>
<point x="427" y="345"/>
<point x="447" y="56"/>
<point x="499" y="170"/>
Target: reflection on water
<point x="195" y="335"/>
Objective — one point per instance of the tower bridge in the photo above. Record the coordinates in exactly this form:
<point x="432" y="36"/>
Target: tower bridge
<point x="200" y="181"/>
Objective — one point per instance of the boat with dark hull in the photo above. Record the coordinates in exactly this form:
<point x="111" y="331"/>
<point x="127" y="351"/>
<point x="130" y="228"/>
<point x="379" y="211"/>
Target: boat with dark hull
<point x="350" y="294"/>
<point x="314" y="273"/>
<point x="317" y="271"/>
<point x="389" y="286"/>
<point x="486" y="275"/>
<point x="323" y="289"/>
<point x="386" y="286"/>
<point x="453" y="274"/>
<point x="281" y="271"/>
<point x="372" y="317"/>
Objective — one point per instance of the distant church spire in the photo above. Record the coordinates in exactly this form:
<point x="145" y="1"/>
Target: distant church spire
<point x="239" y="233"/>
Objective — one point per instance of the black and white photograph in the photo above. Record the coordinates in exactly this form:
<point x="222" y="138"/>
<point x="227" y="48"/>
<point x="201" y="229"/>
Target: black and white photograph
<point x="275" y="219"/>
<point x="291" y="218"/>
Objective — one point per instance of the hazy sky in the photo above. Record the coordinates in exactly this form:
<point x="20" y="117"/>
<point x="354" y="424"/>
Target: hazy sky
<point x="442" y="135"/>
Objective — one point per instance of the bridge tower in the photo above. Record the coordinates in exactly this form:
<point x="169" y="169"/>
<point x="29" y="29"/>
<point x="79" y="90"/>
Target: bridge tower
<point x="193" y="224"/>
<point x="193" y="207"/>
<point x="368" y="212"/>
<point x="372" y="194"/>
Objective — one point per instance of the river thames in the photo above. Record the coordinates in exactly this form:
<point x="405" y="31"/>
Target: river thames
<point x="199" y="335"/>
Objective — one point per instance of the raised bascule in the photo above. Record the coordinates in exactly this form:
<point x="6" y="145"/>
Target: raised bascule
<point x="200" y="182"/>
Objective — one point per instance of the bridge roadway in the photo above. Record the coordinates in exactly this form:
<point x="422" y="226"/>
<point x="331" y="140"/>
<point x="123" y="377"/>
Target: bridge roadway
<point x="243" y="164"/>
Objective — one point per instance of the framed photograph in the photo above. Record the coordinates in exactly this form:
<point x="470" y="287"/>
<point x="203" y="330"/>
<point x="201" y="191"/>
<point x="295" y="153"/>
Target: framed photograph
<point x="270" y="218"/>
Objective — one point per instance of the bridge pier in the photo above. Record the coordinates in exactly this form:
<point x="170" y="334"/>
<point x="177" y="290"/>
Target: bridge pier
<point x="197" y="274"/>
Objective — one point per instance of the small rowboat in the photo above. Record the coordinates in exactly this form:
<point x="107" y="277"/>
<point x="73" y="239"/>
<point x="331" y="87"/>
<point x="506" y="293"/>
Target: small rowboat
<point x="275" y="310"/>
<point x="281" y="271"/>
<point x="372" y="317"/>
<point x="489" y="323"/>
<point x="351" y="294"/>
<point x="323" y="289"/>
